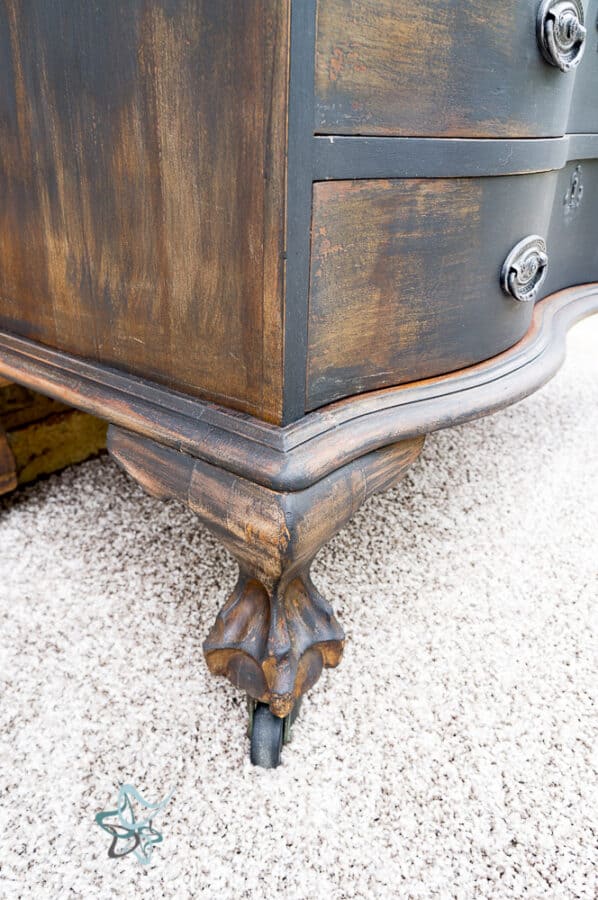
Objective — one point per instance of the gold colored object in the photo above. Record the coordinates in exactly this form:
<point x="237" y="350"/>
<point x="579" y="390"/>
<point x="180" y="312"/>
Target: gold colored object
<point x="39" y="436"/>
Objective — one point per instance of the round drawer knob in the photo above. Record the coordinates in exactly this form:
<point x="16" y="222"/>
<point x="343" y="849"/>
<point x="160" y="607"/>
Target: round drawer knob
<point x="525" y="269"/>
<point x="562" y="33"/>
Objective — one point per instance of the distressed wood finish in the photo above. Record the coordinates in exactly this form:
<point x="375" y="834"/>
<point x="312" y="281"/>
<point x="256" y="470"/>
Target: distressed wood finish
<point x="275" y="633"/>
<point x="161" y="163"/>
<point x="296" y="456"/>
<point x="583" y="116"/>
<point x="571" y="236"/>
<point x="142" y="175"/>
<point x="404" y="277"/>
<point x="436" y="68"/>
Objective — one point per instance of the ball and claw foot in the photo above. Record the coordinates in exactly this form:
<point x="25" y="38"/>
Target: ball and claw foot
<point x="275" y="633"/>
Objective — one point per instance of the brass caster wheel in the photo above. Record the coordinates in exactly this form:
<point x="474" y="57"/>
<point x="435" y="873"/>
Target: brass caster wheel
<point x="268" y="733"/>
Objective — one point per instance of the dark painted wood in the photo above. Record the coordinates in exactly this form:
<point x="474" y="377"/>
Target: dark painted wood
<point x="436" y="68"/>
<point x="338" y="158"/>
<point x="404" y="277"/>
<point x="276" y="632"/>
<point x="142" y="174"/>
<point x="299" y="178"/>
<point x="422" y="407"/>
<point x="572" y="235"/>
<point x="296" y="456"/>
<point x="142" y="222"/>
<point x="342" y="157"/>
<point x="156" y="169"/>
<point x="583" y="115"/>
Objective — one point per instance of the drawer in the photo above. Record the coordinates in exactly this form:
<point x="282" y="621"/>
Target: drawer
<point x="572" y="234"/>
<point x="584" y="109"/>
<point x="406" y="277"/>
<point x="437" y="68"/>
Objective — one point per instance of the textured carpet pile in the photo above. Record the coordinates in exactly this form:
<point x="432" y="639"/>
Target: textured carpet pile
<point x="453" y="752"/>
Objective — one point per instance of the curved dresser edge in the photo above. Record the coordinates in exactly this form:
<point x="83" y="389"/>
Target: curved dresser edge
<point x="295" y="457"/>
<point x="358" y="425"/>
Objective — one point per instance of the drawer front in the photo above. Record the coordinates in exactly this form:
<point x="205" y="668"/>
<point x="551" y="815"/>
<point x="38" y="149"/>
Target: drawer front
<point x="406" y="277"/>
<point x="584" y="108"/>
<point x="572" y="234"/>
<point x="437" y="68"/>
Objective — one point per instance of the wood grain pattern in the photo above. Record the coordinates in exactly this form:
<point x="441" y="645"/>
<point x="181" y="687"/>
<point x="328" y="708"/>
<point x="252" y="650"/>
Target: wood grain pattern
<point x="142" y="151"/>
<point x="405" y="277"/>
<point x="298" y="455"/>
<point x="275" y="633"/>
<point x="435" y="68"/>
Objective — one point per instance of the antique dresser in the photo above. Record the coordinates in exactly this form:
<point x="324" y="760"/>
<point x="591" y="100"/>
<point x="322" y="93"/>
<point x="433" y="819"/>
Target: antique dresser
<point x="274" y="243"/>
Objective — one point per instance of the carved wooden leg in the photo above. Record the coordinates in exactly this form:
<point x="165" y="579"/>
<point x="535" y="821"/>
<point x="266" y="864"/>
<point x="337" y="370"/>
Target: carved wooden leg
<point x="275" y="633"/>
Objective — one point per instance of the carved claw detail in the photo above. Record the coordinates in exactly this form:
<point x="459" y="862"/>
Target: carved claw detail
<point x="275" y="644"/>
<point x="275" y="632"/>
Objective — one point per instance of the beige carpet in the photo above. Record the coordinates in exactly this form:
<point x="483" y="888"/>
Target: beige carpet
<point x="453" y="753"/>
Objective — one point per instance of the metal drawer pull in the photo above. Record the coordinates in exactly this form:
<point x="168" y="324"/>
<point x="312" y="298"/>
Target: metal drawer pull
<point x="525" y="269"/>
<point x="562" y="32"/>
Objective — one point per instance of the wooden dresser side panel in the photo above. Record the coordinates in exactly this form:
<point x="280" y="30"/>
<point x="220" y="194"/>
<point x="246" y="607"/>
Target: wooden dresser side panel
<point x="142" y="177"/>
<point x="405" y="277"/>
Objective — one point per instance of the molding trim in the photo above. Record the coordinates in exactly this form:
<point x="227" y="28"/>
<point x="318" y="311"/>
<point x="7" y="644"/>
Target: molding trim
<point x="338" y="157"/>
<point x="293" y="457"/>
<point x="298" y="212"/>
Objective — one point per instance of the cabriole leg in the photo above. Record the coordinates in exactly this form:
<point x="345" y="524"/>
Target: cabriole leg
<point x="275" y="632"/>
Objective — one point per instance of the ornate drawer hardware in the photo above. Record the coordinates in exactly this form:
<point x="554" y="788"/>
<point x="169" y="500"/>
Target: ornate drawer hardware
<point x="525" y="269"/>
<point x="562" y="32"/>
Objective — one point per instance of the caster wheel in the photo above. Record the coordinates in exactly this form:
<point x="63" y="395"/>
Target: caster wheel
<point x="268" y="733"/>
<point x="266" y="737"/>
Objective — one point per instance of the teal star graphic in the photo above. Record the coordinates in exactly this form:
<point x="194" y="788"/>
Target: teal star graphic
<point x="129" y="834"/>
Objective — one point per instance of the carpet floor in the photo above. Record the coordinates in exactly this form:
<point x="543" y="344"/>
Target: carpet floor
<point x="452" y="754"/>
